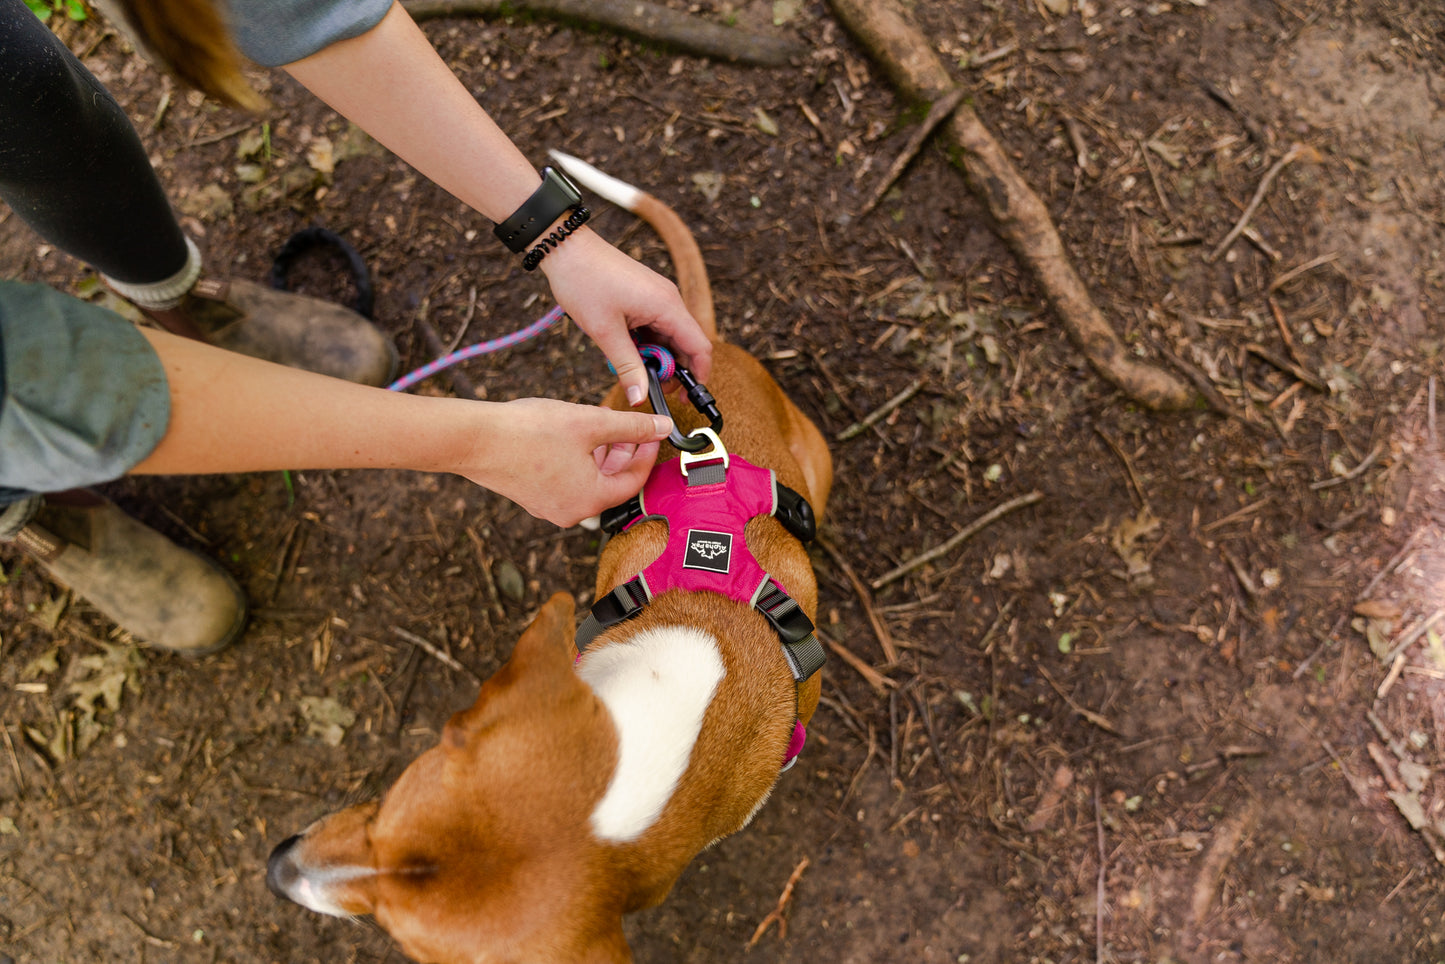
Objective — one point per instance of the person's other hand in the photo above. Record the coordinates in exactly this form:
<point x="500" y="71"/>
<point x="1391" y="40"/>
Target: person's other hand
<point x="609" y="296"/>
<point x="564" y="462"/>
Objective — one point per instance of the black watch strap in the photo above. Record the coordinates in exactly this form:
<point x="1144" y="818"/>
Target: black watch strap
<point x="555" y="197"/>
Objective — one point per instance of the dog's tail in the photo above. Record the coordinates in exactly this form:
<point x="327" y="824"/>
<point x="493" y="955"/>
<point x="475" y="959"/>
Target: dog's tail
<point x="681" y="245"/>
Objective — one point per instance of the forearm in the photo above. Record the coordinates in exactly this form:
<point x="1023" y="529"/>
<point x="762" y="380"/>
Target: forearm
<point x="234" y="413"/>
<point x="392" y="83"/>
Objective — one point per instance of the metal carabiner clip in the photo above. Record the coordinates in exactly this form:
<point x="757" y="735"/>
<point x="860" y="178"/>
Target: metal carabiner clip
<point x="660" y="365"/>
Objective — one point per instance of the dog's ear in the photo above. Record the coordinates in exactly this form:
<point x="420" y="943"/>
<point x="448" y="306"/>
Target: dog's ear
<point x="551" y="633"/>
<point x="544" y="652"/>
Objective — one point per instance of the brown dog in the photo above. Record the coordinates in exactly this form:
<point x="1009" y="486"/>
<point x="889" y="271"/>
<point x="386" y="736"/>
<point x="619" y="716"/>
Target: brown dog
<point x="577" y="788"/>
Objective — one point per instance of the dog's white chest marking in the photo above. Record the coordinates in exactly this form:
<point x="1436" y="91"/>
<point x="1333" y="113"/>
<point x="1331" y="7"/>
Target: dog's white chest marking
<point x="657" y="686"/>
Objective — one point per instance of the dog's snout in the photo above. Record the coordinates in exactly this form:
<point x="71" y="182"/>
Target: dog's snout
<point x="281" y="872"/>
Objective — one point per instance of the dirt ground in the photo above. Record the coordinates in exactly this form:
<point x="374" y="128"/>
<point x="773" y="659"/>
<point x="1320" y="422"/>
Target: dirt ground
<point x="1185" y="707"/>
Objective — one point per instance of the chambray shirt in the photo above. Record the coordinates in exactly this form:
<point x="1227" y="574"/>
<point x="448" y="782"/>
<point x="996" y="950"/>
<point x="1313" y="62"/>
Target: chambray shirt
<point x="276" y="32"/>
<point x="83" y="396"/>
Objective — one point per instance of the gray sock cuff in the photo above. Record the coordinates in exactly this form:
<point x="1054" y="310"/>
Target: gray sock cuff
<point x="160" y="295"/>
<point x="17" y="515"/>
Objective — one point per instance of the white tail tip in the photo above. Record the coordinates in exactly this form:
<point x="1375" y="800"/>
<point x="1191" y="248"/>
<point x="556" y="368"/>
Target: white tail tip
<point x="605" y="186"/>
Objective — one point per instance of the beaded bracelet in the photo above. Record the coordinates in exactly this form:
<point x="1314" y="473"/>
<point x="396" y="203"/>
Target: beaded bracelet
<point x="578" y="217"/>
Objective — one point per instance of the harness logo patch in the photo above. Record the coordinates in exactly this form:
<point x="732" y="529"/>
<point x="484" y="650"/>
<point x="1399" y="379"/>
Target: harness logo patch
<point x="711" y="551"/>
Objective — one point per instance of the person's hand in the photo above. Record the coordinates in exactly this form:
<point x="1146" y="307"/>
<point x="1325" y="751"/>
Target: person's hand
<point x="609" y="296"/>
<point x="564" y="462"/>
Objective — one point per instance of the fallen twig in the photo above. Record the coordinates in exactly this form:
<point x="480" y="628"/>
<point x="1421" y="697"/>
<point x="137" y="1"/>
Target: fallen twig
<point x="937" y="114"/>
<point x="875" y="679"/>
<point x="1434" y="439"/>
<point x="1050" y="799"/>
<point x="885" y="638"/>
<point x="776" y="916"/>
<point x="921" y="705"/>
<point x="1294" y="273"/>
<point x="858" y="774"/>
<point x="1019" y="215"/>
<point x="147" y="936"/>
<point x="431" y="648"/>
<point x="1097" y="719"/>
<point x="1256" y="133"/>
<point x="1415" y="632"/>
<point x="1216" y="858"/>
<point x="1204" y="387"/>
<point x="1406" y="801"/>
<point x="1288" y="367"/>
<point x="1389" y="681"/>
<point x="957" y="539"/>
<point x="1099" y="881"/>
<point x="637" y="18"/>
<point x="484" y="563"/>
<point x="1293" y="154"/>
<point x="14" y="760"/>
<point x="1330" y="637"/>
<point x="998" y="53"/>
<point x="1128" y="467"/>
<point x="1075" y="131"/>
<point x="1154" y="180"/>
<point x="879" y="413"/>
<point x="1353" y="473"/>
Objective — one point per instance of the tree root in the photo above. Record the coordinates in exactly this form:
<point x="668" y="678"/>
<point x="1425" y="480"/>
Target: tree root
<point x="635" y="18"/>
<point x="1020" y="217"/>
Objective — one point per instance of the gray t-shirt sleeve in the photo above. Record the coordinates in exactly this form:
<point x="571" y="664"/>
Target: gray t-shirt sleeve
<point x="84" y="398"/>
<point x="276" y="32"/>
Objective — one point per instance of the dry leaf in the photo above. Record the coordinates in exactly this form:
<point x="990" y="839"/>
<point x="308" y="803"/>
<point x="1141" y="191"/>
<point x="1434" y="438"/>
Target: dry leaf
<point x="251" y="142"/>
<point x="49" y="612"/>
<point x="785" y="10"/>
<point x="107" y="674"/>
<point x="326" y="719"/>
<point x="1377" y="609"/>
<point x="43" y="665"/>
<point x="1126" y="540"/>
<point x="321" y="156"/>
<point x="709" y="184"/>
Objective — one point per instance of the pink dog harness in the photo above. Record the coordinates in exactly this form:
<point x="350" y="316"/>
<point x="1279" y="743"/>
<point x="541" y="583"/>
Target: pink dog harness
<point x="707" y="507"/>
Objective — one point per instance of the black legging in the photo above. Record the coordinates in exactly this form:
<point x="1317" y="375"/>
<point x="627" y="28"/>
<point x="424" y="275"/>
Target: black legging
<point x="71" y="164"/>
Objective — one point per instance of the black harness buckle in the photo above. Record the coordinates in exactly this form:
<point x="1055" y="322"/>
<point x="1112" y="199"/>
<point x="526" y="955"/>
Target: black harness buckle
<point x="617" y="606"/>
<point x="800" y="646"/>
<point x="796" y="515"/>
<point x="619" y="517"/>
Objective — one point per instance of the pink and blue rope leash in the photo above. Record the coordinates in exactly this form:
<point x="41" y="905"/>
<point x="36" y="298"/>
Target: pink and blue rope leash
<point x="481" y="348"/>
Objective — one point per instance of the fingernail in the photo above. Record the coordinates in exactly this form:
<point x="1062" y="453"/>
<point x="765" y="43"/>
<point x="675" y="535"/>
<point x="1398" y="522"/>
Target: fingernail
<point x="663" y="424"/>
<point x="635" y="394"/>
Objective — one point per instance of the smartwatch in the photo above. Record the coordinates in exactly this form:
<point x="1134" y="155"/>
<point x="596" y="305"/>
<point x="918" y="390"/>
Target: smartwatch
<point x="555" y="197"/>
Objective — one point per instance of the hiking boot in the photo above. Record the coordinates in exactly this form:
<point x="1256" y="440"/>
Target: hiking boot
<point x="164" y="595"/>
<point x="280" y="326"/>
